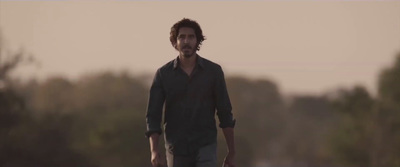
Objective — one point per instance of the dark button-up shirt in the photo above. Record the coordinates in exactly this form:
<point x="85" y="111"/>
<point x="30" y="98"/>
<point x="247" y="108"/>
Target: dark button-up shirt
<point x="190" y="104"/>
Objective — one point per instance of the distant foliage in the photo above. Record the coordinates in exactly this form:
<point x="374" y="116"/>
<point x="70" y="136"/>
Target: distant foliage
<point x="369" y="132"/>
<point x="99" y="121"/>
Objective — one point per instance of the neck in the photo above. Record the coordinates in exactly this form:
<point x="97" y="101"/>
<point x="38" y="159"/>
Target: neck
<point x="187" y="62"/>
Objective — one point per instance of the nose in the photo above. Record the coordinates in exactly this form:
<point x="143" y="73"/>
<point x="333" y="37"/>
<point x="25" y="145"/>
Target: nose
<point x="186" y="40"/>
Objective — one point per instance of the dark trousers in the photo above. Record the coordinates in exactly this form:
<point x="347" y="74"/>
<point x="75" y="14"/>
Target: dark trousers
<point x="206" y="157"/>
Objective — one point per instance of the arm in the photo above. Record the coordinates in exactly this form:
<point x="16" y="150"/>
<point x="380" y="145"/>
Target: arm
<point x="153" y="139"/>
<point x="230" y="139"/>
<point x="225" y="116"/>
<point x="154" y="117"/>
<point x="156" y="159"/>
<point x="223" y="103"/>
<point x="230" y="142"/>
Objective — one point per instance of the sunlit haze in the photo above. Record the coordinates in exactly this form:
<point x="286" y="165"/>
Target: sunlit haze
<point x="303" y="46"/>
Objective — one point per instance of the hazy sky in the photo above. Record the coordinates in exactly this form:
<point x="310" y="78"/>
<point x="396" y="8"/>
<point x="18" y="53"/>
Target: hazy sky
<point x="304" y="46"/>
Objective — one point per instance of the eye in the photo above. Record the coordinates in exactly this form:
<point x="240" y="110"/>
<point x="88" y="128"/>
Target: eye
<point x="181" y="36"/>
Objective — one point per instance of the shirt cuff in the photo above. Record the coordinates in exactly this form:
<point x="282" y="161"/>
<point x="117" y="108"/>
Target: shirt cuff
<point x="150" y="132"/>
<point x="231" y="124"/>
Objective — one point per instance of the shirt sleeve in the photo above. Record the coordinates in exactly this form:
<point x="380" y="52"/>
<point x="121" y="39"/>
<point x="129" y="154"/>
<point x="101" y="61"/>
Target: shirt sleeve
<point x="155" y="106"/>
<point x="223" y="103"/>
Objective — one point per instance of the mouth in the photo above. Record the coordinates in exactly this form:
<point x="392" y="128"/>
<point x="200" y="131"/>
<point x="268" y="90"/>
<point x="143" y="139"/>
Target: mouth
<point x="187" y="47"/>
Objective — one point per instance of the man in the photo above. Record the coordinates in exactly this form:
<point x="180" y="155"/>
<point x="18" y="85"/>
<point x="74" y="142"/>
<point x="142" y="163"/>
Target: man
<point x="191" y="88"/>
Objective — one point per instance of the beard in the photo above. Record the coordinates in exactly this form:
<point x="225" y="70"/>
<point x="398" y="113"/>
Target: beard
<point x="187" y="51"/>
<point x="187" y="55"/>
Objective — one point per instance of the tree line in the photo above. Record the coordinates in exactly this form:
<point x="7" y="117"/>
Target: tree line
<point x="99" y="121"/>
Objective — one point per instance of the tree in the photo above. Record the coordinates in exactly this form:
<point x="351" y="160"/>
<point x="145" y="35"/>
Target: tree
<point x="369" y="133"/>
<point x="258" y="107"/>
<point x="351" y="144"/>
<point x="388" y="117"/>
<point x="24" y="140"/>
<point x="309" y="121"/>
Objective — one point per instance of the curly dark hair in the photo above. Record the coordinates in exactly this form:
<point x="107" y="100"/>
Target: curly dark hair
<point x="190" y="24"/>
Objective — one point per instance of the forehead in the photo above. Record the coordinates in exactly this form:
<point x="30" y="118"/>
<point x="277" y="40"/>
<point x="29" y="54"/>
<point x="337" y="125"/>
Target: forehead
<point x="186" y="30"/>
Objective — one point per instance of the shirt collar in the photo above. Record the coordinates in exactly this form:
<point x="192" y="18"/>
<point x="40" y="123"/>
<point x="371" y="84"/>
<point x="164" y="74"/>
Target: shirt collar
<point x="199" y="61"/>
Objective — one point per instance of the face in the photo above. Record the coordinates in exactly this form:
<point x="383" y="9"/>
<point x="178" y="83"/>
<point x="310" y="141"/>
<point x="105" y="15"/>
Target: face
<point x="186" y="43"/>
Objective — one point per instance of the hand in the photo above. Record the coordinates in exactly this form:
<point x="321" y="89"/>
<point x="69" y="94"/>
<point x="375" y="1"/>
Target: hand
<point x="156" y="160"/>
<point x="229" y="160"/>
